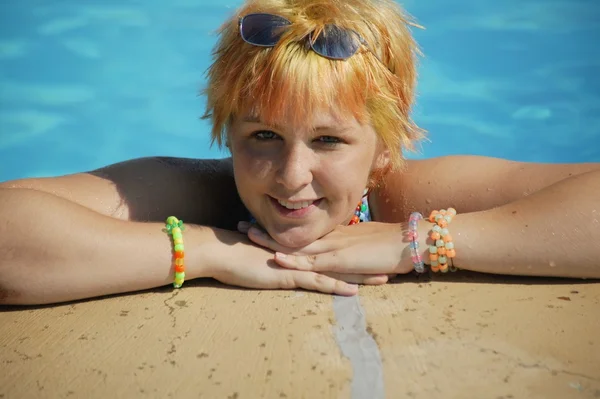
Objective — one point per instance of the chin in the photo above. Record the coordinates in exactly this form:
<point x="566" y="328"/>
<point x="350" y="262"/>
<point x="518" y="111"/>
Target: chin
<point x="295" y="238"/>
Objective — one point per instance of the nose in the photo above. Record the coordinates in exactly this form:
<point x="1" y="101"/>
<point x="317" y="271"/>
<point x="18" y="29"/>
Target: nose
<point x="295" y="168"/>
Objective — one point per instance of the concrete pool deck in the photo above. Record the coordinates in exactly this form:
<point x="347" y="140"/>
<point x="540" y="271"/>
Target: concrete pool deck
<point x="466" y="336"/>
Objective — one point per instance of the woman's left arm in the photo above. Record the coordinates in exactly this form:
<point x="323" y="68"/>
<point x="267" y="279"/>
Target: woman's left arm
<point x="553" y="231"/>
<point x="516" y="217"/>
<point x="467" y="183"/>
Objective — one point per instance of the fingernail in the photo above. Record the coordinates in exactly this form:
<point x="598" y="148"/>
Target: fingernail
<point x="352" y="288"/>
<point x="280" y="255"/>
<point x="256" y="231"/>
<point x="243" y="226"/>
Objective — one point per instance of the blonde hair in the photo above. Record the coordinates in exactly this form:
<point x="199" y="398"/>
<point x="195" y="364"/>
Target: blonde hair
<point x="287" y="83"/>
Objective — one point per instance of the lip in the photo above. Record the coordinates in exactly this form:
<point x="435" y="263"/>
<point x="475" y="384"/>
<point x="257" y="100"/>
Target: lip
<point x="295" y="213"/>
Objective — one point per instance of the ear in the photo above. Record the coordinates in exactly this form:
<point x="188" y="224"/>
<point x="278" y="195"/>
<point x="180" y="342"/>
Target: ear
<point x="383" y="160"/>
<point x="381" y="166"/>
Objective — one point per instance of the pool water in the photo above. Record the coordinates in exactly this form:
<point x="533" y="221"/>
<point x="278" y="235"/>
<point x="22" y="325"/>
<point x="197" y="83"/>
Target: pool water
<point x="85" y="84"/>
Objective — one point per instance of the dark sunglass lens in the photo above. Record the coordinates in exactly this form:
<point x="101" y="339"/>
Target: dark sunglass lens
<point x="263" y="29"/>
<point x="335" y="43"/>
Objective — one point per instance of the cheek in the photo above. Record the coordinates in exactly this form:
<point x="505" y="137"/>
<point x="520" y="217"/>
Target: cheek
<point x="347" y="172"/>
<point x="244" y="162"/>
<point x="251" y="174"/>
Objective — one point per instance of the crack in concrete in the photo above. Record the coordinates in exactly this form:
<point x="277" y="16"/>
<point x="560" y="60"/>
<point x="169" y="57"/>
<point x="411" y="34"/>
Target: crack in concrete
<point x="557" y="371"/>
<point x="172" y="308"/>
<point x="519" y="363"/>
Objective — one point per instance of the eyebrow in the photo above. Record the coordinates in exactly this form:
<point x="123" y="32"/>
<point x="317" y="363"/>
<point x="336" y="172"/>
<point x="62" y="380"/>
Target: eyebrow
<point x="342" y="128"/>
<point x="252" y="119"/>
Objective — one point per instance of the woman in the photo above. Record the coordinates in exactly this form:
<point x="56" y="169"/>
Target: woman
<point x="313" y="99"/>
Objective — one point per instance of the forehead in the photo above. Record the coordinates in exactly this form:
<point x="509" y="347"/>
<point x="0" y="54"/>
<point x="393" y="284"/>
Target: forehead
<point x="320" y="120"/>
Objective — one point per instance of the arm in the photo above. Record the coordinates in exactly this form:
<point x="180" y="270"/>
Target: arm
<point x="99" y="233"/>
<point x="88" y="235"/>
<point x="553" y="232"/>
<point x="467" y="183"/>
<point x="514" y="217"/>
<point x="72" y="252"/>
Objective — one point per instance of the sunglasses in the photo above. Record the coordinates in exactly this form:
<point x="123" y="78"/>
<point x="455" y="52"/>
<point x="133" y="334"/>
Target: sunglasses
<point x="335" y="43"/>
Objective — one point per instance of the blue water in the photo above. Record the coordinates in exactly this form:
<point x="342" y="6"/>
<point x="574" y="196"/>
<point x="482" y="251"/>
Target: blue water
<point x="87" y="83"/>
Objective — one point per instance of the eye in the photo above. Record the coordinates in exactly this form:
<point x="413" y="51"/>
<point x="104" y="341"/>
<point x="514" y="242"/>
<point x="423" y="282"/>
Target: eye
<point x="329" y="140"/>
<point x="265" y="135"/>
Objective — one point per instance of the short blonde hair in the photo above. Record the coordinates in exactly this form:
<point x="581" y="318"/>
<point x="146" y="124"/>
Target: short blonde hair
<point x="285" y="84"/>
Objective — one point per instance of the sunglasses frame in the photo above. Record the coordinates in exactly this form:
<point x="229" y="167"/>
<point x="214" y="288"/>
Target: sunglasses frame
<point x="361" y="40"/>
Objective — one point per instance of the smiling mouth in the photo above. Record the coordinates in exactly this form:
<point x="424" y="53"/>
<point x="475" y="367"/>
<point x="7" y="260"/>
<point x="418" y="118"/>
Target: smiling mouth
<point x="295" y="209"/>
<point x="296" y="204"/>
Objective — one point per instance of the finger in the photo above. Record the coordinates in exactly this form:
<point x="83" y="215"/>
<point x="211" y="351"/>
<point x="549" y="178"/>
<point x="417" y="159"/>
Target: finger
<point x="261" y="238"/>
<point x="350" y="260"/>
<point x="243" y="227"/>
<point x="318" y="282"/>
<point x="364" y="279"/>
<point x="334" y="261"/>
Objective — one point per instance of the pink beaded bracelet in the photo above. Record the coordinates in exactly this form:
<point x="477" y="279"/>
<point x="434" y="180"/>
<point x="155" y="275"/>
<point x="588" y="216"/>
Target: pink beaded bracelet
<point x="413" y="236"/>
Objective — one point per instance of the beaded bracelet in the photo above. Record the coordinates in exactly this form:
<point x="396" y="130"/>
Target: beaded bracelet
<point x="443" y="248"/>
<point x="413" y="236"/>
<point x="175" y="228"/>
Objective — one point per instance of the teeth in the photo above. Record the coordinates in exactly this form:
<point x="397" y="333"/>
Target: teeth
<point x="295" y="205"/>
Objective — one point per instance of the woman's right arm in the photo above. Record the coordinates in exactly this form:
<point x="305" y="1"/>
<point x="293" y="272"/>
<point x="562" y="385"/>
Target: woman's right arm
<point x="88" y="235"/>
<point x="54" y="250"/>
<point x="91" y="234"/>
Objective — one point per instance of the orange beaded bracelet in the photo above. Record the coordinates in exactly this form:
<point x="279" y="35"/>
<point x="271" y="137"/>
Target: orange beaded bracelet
<point x="442" y="251"/>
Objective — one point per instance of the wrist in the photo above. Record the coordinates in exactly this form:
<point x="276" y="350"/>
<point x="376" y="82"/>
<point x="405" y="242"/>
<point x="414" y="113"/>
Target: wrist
<point x="200" y="263"/>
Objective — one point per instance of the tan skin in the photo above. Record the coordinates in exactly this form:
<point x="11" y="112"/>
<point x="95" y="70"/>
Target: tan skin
<point x="470" y="183"/>
<point x="136" y="191"/>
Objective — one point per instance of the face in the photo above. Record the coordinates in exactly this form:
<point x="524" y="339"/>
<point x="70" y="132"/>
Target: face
<point x="300" y="183"/>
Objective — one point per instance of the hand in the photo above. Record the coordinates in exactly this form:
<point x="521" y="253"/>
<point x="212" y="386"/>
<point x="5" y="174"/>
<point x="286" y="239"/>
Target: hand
<point x="245" y="264"/>
<point x="367" y="248"/>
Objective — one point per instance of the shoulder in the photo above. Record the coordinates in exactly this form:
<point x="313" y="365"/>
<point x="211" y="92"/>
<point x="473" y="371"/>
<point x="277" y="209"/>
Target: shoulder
<point x="200" y="191"/>
<point x="467" y="183"/>
<point x="148" y="166"/>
